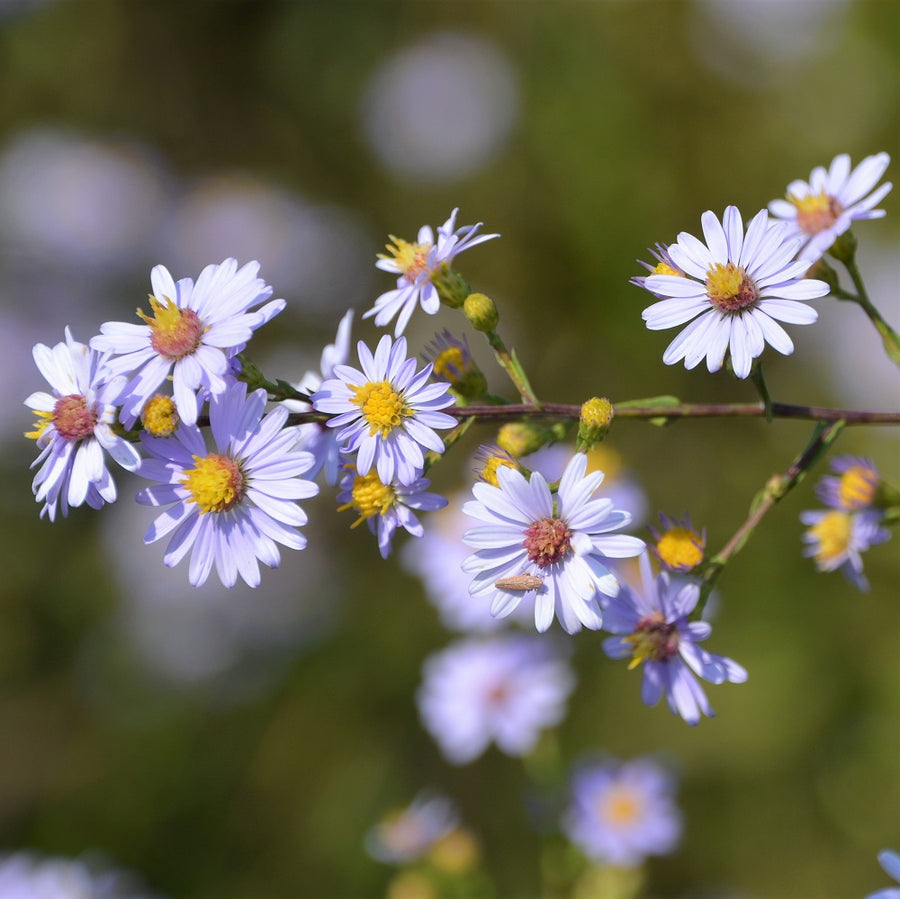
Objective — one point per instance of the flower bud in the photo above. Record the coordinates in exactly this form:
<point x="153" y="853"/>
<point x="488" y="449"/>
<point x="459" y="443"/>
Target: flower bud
<point x="451" y="286"/>
<point x="520" y="438"/>
<point x="593" y="424"/>
<point x="481" y="311"/>
<point x="844" y="248"/>
<point x="452" y="362"/>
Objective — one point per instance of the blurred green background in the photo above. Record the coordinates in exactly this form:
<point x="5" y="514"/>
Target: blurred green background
<point x="240" y="746"/>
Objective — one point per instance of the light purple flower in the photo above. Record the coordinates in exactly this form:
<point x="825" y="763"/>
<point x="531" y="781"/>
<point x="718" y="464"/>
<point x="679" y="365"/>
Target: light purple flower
<point x="504" y="690"/>
<point x="232" y="506"/>
<point x="735" y="289"/>
<point x="407" y="834"/>
<point x="654" y="629"/>
<point x="193" y="333"/>
<point x="385" y="507"/>
<point x="554" y="547"/>
<point x="621" y="812"/>
<point x="387" y="412"/>
<point x="820" y="210"/>
<point x="855" y="486"/>
<point x="890" y="861"/>
<point x="319" y="439"/>
<point x="415" y="264"/>
<point x="74" y="428"/>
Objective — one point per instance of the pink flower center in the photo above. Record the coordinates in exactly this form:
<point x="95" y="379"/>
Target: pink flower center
<point x="174" y="332"/>
<point x="547" y="541"/>
<point x="729" y="288"/>
<point x="72" y="418"/>
<point x="816" y="212"/>
<point x="654" y="639"/>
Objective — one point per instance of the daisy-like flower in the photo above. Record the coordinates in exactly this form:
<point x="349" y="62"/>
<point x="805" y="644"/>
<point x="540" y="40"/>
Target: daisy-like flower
<point x="735" y="289"/>
<point x="820" y="210"/>
<point x="452" y="362"/>
<point x="232" y="506"/>
<point x="193" y="332"/>
<point x="678" y="546"/>
<point x="621" y="812"/>
<point x="416" y="265"/>
<point x="853" y="487"/>
<point x="664" y="265"/>
<point x="504" y="690"/>
<point x="74" y="428"/>
<point x="836" y="539"/>
<point x="386" y="412"/>
<point x="407" y="834"/>
<point x="890" y="861"/>
<point x="654" y="629"/>
<point x="553" y="547"/>
<point x="319" y="439"/>
<point x="385" y="507"/>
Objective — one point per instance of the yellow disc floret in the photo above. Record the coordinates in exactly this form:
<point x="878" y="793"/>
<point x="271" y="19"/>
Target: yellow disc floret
<point x="489" y="472"/>
<point x="816" y="212"/>
<point x="663" y="268"/>
<point x="680" y="549"/>
<point x="370" y="497"/>
<point x="451" y="364"/>
<point x="215" y="484"/>
<point x="411" y="258"/>
<point x="832" y="534"/>
<point x="159" y="416"/>
<point x="620" y="807"/>
<point x="858" y="487"/>
<point x="383" y="408"/>
<point x="175" y="332"/>
<point x="729" y="288"/>
<point x="41" y="424"/>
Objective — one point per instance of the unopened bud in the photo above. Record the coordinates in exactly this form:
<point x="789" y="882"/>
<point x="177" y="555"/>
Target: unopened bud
<point x="520" y="438"/>
<point x="594" y="422"/>
<point x="481" y="311"/>
<point x="844" y="248"/>
<point x="451" y="286"/>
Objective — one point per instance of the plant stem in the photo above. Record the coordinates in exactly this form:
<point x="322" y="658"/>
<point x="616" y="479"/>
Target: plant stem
<point x="889" y="337"/>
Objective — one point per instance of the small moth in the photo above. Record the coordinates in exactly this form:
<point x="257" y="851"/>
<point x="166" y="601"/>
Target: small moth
<point x="520" y="583"/>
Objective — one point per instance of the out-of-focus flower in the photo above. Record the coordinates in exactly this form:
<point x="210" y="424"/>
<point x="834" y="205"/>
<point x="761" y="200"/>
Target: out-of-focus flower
<point x="319" y="439"/>
<point x="820" y="210"/>
<point x="452" y="362"/>
<point x="24" y="875"/>
<point x="836" y="540"/>
<point x="853" y="487"/>
<point x="890" y="861"/>
<point x="74" y="428"/>
<point x="416" y="265"/>
<point x="386" y="412"/>
<point x="194" y="331"/>
<point x="471" y="109"/>
<point x="407" y="834"/>
<point x="654" y="629"/>
<point x="231" y="507"/>
<point x="552" y="546"/>
<point x="678" y="545"/>
<point x="735" y="290"/>
<point x="385" y="507"/>
<point x="504" y="690"/>
<point x="621" y="812"/>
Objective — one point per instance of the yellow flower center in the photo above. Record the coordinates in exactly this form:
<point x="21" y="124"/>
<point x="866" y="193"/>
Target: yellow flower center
<point x="728" y="287"/>
<point x="663" y="268"/>
<point x="40" y="425"/>
<point x="216" y="483"/>
<point x="816" y="212"/>
<point x="72" y="418"/>
<point x="383" y="408"/>
<point x="370" y="497"/>
<point x="653" y="639"/>
<point x="858" y="487"/>
<point x="175" y="332"/>
<point x="450" y="364"/>
<point x="620" y="807"/>
<point x="159" y="416"/>
<point x="489" y="472"/>
<point x="832" y="533"/>
<point x="411" y="258"/>
<point x="680" y="549"/>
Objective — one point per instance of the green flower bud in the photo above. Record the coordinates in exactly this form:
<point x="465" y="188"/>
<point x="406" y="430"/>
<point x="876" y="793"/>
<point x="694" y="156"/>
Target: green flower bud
<point x="593" y="424"/>
<point x="520" y="438"/>
<point x="481" y="311"/>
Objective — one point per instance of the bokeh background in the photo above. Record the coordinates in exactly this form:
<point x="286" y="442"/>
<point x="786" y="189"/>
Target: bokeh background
<point x="238" y="744"/>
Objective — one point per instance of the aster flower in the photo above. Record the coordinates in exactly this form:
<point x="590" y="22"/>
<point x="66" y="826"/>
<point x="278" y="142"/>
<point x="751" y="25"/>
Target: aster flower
<point x="853" y="488"/>
<point x="407" y="834"/>
<point x="319" y="439"/>
<point x="552" y="547"/>
<point x="654" y="629"/>
<point x="664" y="265"/>
<point x="386" y="412"/>
<point x="621" y="812"/>
<point x="820" y="210"/>
<point x="385" y="507"/>
<point x="416" y="265"/>
<point x="735" y="290"/>
<point x="890" y="861"/>
<point x="678" y="545"/>
<point x="503" y="690"/>
<point x="836" y="539"/>
<point x="452" y="362"/>
<point x="192" y="334"/>
<point x="74" y="428"/>
<point x="232" y="506"/>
